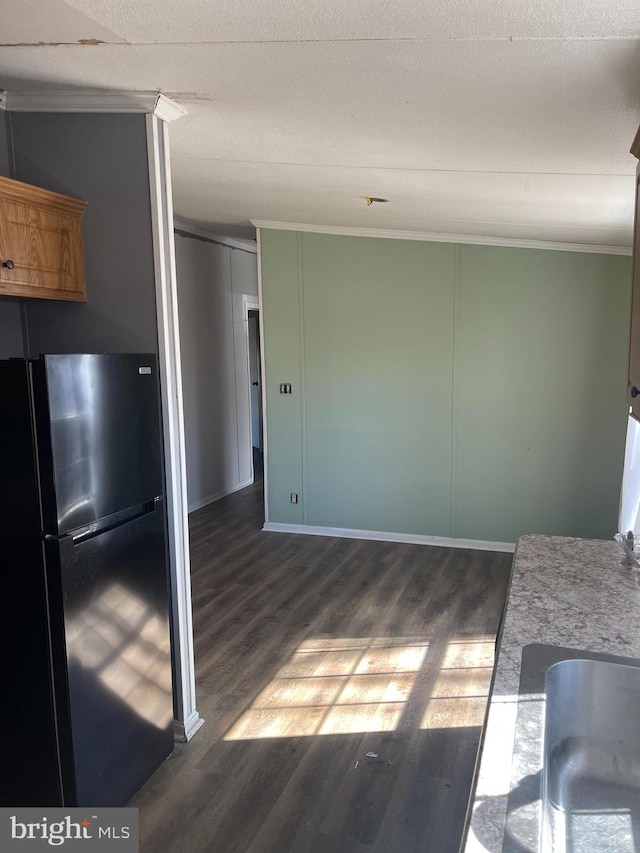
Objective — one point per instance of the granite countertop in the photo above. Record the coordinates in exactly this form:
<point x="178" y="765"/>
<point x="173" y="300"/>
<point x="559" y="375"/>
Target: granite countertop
<point x="576" y="593"/>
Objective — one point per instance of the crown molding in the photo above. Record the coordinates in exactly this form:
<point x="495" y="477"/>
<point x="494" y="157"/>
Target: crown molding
<point x="635" y="145"/>
<point x="75" y="101"/>
<point x="167" y="109"/>
<point x="437" y="237"/>
<point x="188" y="229"/>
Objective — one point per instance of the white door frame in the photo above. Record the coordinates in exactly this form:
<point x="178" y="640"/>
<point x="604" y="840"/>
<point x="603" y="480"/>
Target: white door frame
<point x="251" y="304"/>
<point x="265" y="445"/>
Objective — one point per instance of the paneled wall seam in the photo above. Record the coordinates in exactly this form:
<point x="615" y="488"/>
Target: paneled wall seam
<point x="303" y="412"/>
<point x="454" y="386"/>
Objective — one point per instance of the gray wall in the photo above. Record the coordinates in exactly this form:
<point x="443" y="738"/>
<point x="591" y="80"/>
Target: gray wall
<point x="101" y="159"/>
<point x="4" y="145"/>
<point x="11" y="344"/>
<point x="213" y="283"/>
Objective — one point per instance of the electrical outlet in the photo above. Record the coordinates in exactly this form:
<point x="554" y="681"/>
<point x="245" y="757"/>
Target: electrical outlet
<point x="285" y="387"/>
<point x="294" y="497"/>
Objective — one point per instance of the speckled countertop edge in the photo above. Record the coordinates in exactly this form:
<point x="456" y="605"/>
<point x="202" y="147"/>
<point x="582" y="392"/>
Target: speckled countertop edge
<point x="578" y="593"/>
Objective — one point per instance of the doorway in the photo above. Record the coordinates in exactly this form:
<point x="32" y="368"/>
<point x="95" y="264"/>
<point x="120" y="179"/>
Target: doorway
<point x="255" y="387"/>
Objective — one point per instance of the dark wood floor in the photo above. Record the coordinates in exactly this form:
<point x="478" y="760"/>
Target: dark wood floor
<point x="343" y="683"/>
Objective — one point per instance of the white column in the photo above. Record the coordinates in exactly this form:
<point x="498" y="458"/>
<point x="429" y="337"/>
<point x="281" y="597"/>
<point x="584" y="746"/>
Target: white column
<point x="187" y="720"/>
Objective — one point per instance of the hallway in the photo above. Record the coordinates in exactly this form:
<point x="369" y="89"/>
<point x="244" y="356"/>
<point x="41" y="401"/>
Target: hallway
<point x="343" y="684"/>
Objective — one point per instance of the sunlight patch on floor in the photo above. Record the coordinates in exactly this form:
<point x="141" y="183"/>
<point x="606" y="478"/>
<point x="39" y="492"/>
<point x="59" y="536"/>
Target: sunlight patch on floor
<point x="459" y="695"/>
<point x="352" y="685"/>
<point x="336" y="686"/>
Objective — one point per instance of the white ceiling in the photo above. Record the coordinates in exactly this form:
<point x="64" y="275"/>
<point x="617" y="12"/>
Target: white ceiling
<point x="502" y="119"/>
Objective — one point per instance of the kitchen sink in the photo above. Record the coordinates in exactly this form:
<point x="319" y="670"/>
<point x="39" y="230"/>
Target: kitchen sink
<point x="591" y="766"/>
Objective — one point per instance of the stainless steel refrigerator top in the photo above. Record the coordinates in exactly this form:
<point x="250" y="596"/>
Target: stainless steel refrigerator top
<point x="102" y="422"/>
<point x="85" y="609"/>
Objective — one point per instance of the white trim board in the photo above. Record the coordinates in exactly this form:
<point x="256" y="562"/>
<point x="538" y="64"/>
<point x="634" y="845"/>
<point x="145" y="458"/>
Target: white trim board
<point x="183" y="659"/>
<point x="184" y="731"/>
<point x="99" y="101"/>
<point x="381" y="536"/>
<point x="263" y="379"/>
<point x="437" y="237"/>
<point x="189" y="229"/>
<point x="219" y="495"/>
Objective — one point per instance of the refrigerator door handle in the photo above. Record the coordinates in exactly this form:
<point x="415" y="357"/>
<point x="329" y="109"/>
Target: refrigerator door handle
<point x="88" y="531"/>
<point x="78" y="535"/>
<point x="96" y="528"/>
<point x="50" y="537"/>
<point x="84" y="533"/>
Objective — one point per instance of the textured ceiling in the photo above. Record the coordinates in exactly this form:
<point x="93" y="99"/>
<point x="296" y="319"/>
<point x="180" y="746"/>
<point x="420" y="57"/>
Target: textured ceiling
<point x="504" y="119"/>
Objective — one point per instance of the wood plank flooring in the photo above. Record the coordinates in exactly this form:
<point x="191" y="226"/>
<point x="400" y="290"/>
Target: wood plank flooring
<point x="343" y="683"/>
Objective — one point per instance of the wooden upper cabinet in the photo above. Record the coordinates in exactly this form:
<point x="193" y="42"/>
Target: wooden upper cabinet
<point x="40" y="243"/>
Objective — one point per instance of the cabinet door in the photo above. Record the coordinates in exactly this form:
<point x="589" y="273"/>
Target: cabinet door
<point x="40" y="244"/>
<point x="634" y="347"/>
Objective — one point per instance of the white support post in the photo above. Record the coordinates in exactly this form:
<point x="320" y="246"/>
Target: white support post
<point x="187" y="720"/>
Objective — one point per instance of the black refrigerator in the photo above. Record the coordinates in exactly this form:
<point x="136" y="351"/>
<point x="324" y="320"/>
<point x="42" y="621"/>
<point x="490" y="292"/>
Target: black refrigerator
<point x="87" y="695"/>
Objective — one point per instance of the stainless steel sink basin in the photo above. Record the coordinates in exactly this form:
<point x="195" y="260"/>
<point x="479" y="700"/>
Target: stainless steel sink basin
<point x="591" y="772"/>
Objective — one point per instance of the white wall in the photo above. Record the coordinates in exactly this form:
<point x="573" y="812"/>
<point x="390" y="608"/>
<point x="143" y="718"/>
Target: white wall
<point x="214" y="284"/>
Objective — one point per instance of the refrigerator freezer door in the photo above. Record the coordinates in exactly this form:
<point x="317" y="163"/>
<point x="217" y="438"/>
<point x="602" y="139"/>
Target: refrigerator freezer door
<point x="117" y="656"/>
<point x="104" y="439"/>
<point x="27" y="710"/>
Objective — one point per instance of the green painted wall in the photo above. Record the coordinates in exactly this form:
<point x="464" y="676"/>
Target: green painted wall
<point x="442" y="389"/>
<point x="282" y="356"/>
<point x="378" y="361"/>
<point x="541" y="362"/>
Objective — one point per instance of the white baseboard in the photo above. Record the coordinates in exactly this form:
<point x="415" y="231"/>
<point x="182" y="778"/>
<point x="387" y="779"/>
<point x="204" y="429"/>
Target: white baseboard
<point x="381" y="536"/>
<point x="211" y="498"/>
<point x="183" y="732"/>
